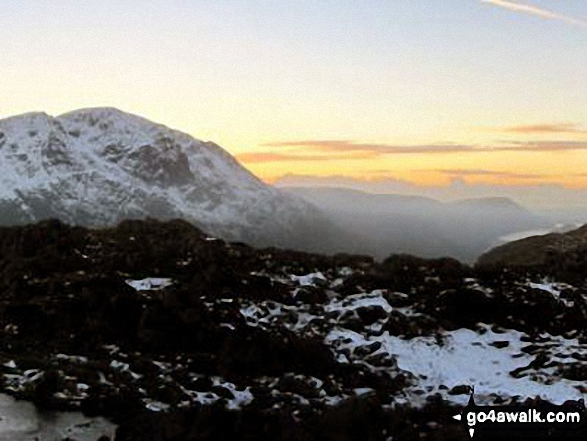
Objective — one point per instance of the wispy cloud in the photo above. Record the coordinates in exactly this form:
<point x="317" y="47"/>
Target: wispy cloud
<point x="375" y="149"/>
<point x="569" y="128"/>
<point x="536" y="11"/>
<point x="544" y="146"/>
<point x="326" y="150"/>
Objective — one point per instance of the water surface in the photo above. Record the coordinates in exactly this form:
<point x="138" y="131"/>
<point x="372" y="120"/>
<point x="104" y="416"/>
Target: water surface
<point x="20" y="421"/>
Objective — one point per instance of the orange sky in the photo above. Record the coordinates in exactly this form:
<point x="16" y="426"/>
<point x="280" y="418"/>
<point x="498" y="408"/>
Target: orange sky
<point x="513" y="155"/>
<point x="484" y="90"/>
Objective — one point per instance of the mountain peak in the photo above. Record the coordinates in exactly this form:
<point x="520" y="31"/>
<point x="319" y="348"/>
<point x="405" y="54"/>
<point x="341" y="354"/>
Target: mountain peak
<point x="98" y="166"/>
<point x="493" y="201"/>
<point x="108" y="119"/>
<point x="101" y="112"/>
<point x="24" y="121"/>
<point x="97" y="110"/>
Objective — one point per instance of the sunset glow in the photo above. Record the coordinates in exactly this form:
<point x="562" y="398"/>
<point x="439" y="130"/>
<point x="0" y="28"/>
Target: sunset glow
<point x="427" y="92"/>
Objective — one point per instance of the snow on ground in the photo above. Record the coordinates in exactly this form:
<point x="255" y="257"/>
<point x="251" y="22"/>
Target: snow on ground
<point x="496" y="363"/>
<point x="352" y="302"/>
<point x="150" y="283"/>
<point x="553" y="288"/>
<point x="309" y="279"/>
<point x="240" y="397"/>
<point x="469" y="358"/>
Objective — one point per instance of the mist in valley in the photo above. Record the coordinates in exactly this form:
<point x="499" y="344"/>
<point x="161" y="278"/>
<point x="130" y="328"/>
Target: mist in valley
<point x="385" y="224"/>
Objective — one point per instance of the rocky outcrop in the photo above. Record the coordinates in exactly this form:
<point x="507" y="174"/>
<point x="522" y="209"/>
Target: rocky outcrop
<point x="175" y="335"/>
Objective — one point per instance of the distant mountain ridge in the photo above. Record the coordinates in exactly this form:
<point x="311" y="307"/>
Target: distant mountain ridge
<point x="99" y="166"/>
<point x="326" y="196"/>
<point x="420" y="225"/>
<point x="499" y="203"/>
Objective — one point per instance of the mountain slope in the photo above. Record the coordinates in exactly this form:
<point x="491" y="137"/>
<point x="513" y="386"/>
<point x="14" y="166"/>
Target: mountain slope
<point x="561" y="254"/>
<point x="99" y="166"/>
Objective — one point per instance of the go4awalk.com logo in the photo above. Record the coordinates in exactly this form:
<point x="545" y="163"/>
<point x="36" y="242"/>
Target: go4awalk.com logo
<point x="532" y="420"/>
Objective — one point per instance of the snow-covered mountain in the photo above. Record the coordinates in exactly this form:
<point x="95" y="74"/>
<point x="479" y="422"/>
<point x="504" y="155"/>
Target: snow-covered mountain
<point x="98" y="166"/>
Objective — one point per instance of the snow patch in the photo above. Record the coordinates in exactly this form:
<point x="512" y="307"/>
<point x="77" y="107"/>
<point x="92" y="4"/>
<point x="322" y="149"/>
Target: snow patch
<point x="309" y="279"/>
<point x="470" y="358"/>
<point x="150" y="284"/>
<point x="355" y="301"/>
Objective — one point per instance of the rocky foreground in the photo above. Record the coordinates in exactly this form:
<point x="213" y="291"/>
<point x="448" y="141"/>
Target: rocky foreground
<point x="174" y="335"/>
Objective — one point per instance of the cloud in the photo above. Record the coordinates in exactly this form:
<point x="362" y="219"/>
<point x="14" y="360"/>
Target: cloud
<point x="543" y="129"/>
<point x="545" y="146"/>
<point x="373" y="149"/>
<point x="337" y="150"/>
<point x="490" y="173"/>
<point x="536" y="11"/>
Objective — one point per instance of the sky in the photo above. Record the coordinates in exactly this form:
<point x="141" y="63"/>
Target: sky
<point x="485" y="92"/>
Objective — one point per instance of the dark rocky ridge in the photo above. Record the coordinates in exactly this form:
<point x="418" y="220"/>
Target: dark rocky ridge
<point x="68" y="318"/>
<point x="563" y="255"/>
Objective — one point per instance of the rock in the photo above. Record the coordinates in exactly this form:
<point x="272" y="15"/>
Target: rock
<point x="371" y="314"/>
<point x="575" y="372"/>
<point x="202" y="384"/>
<point x="311" y="295"/>
<point x="382" y="359"/>
<point x="222" y="392"/>
<point x="362" y="351"/>
<point x="297" y="386"/>
<point x="499" y="344"/>
<point x="460" y="390"/>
